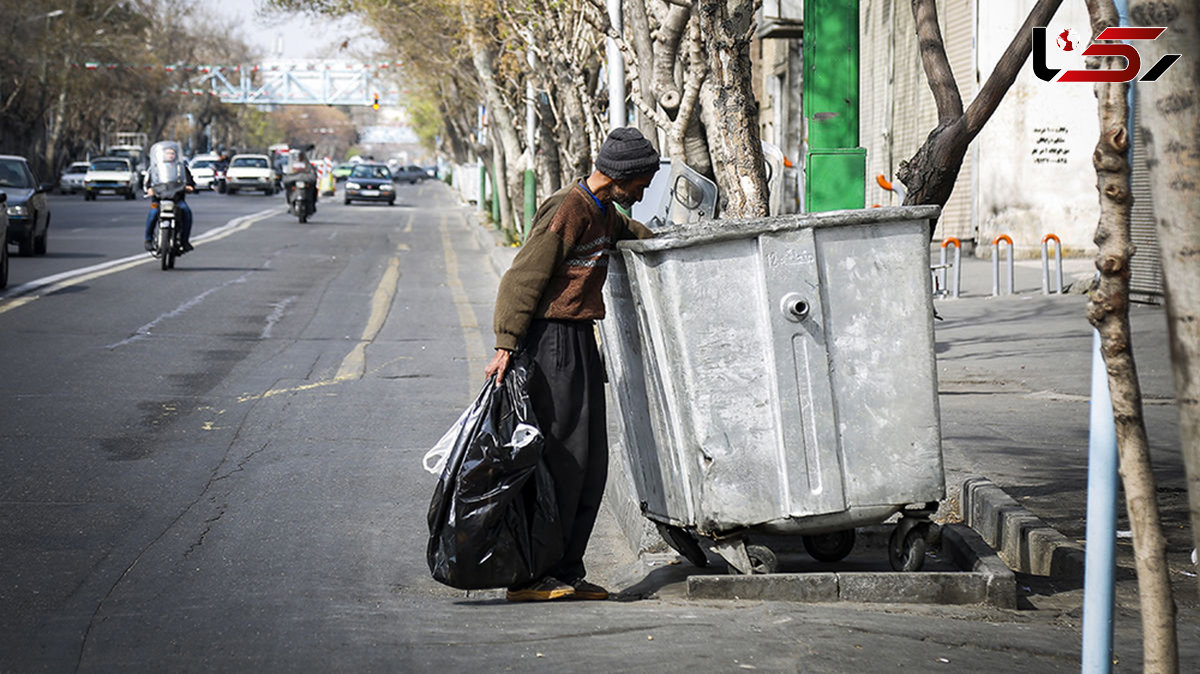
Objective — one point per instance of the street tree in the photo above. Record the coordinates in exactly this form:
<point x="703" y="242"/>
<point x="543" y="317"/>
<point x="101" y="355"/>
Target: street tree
<point x="1170" y="110"/>
<point x="1108" y="312"/>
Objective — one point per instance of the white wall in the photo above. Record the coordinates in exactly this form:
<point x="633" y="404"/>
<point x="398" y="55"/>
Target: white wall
<point x="1035" y="173"/>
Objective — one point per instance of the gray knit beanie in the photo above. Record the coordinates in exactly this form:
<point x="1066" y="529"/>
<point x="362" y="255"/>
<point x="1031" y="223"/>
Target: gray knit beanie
<point x="626" y="154"/>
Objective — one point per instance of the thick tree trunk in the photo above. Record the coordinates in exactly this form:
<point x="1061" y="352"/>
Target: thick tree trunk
<point x="1170" y="110"/>
<point x="1108" y="311"/>
<point x="666" y="58"/>
<point x="573" y="136"/>
<point x="637" y="26"/>
<point x="499" y="171"/>
<point x="727" y="27"/>
<point x="507" y="141"/>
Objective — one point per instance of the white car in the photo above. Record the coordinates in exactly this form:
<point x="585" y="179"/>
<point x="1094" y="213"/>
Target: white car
<point x="72" y="177"/>
<point x="110" y="175"/>
<point x="250" y="172"/>
<point x="201" y="167"/>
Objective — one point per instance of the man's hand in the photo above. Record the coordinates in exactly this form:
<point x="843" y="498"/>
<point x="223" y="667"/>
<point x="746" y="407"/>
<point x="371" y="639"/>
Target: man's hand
<point x="189" y="188"/>
<point x="499" y="365"/>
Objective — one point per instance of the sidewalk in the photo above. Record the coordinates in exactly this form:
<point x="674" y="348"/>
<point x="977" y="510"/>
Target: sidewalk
<point x="1014" y="376"/>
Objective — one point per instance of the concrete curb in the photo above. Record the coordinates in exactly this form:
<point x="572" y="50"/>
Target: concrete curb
<point x="1022" y="540"/>
<point x="983" y="580"/>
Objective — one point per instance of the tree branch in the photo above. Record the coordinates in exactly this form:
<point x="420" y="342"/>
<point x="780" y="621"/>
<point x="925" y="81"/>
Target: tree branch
<point x="935" y="61"/>
<point x="1010" y="63"/>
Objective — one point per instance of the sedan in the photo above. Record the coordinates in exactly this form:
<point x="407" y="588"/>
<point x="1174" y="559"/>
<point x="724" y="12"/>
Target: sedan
<point x="71" y="180"/>
<point x="370" y="182"/>
<point x="3" y="242"/>
<point x="203" y="170"/>
<point x="26" y="205"/>
<point x="411" y="173"/>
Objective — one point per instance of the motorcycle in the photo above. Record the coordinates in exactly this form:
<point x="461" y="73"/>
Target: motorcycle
<point x="166" y="234"/>
<point x="168" y="181"/>
<point x="300" y="198"/>
<point x="218" y="183"/>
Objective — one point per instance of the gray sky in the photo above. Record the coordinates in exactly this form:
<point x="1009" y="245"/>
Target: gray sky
<point x="300" y="37"/>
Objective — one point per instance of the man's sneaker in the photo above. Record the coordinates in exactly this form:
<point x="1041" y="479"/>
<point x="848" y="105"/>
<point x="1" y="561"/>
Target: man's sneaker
<point x="586" y="590"/>
<point x="186" y="247"/>
<point x="546" y="589"/>
<point x="149" y="245"/>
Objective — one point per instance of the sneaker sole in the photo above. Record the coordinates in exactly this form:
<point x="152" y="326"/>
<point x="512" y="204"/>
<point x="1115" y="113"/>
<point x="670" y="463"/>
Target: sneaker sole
<point x="539" y="595"/>
<point x="590" y="596"/>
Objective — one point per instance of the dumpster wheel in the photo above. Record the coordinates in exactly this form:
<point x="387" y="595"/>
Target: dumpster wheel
<point x="683" y="543"/>
<point x="762" y="559"/>
<point x="906" y="545"/>
<point x="829" y="547"/>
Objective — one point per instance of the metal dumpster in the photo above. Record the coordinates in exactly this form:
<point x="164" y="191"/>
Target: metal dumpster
<point x="781" y="380"/>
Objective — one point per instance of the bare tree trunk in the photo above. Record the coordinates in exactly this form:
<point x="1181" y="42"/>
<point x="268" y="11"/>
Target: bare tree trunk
<point x="930" y="174"/>
<point x="727" y="28"/>
<point x="637" y="26"/>
<point x="1108" y="311"/>
<point x="507" y="142"/>
<point x="666" y="58"/>
<point x="499" y="170"/>
<point x="1171" y="128"/>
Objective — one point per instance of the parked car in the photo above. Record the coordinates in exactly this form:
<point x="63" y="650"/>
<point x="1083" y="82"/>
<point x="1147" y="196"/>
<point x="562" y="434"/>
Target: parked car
<point x="201" y="167"/>
<point x="341" y="171"/>
<point x="369" y="182"/>
<point x="411" y="173"/>
<point x="26" y="205"/>
<point x="3" y="242"/>
<point x="72" y="177"/>
<point x="250" y="172"/>
<point x="110" y="175"/>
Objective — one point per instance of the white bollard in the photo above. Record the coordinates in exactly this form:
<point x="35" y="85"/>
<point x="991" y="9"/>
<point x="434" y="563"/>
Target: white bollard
<point x="996" y="264"/>
<point x="1046" y="263"/>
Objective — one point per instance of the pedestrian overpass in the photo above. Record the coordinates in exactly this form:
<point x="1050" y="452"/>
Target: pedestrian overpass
<point x="306" y="82"/>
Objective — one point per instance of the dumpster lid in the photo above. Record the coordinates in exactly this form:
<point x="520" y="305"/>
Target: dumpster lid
<point x="709" y="231"/>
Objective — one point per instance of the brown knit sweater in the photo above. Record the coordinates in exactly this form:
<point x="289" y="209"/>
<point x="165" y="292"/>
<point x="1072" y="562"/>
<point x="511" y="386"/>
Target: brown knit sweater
<point x="560" y="270"/>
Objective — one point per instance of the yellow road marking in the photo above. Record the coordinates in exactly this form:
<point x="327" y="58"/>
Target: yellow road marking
<point x="353" y="366"/>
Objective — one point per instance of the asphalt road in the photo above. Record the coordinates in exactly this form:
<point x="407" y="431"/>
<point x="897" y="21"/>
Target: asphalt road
<point x="217" y="468"/>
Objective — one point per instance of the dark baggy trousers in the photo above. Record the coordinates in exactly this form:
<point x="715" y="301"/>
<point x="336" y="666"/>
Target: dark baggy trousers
<point x="567" y="392"/>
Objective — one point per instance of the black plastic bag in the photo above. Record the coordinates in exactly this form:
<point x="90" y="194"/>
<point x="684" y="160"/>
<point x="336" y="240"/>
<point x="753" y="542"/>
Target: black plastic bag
<point x="493" y="520"/>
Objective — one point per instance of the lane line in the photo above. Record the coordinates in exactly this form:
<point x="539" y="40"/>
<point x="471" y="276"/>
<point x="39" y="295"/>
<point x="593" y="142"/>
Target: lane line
<point x="355" y="362"/>
<point x="144" y="331"/>
<point x="39" y="288"/>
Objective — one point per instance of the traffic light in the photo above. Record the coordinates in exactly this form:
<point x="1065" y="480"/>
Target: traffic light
<point x="375" y="103"/>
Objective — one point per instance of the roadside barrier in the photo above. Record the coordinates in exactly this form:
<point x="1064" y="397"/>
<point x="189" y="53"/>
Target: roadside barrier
<point x="1058" y="264"/>
<point x="996" y="264"/>
<point x="940" y="288"/>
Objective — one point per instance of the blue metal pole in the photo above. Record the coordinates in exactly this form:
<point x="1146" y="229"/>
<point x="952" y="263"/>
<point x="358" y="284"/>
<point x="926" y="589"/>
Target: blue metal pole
<point x="1098" y="588"/>
<point x="1099" y="575"/>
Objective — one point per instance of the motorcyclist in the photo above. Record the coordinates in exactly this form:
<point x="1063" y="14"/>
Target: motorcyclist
<point x="301" y="169"/>
<point x="168" y="172"/>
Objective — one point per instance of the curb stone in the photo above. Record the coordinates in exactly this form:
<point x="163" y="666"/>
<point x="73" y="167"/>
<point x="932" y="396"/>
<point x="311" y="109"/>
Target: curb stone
<point x="1022" y="540"/>
<point x="984" y="579"/>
